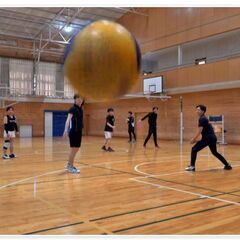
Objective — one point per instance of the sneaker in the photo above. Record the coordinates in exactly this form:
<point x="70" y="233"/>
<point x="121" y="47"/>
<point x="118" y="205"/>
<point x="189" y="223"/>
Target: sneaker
<point x="110" y="149"/>
<point x="227" y="167"/>
<point x="190" y="169"/>
<point x="5" y="156"/>
<point x="12" y="156"/>
<point x="157" y="146"/>
<point x="73" y="169"/>
<point x="104" y="148"/>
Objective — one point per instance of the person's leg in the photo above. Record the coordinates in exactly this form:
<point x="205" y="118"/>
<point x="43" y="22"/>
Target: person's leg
<point x="75" y="144"/>
<point x="72" y="154"/>
<point x="134" y="135"/>
<point x="11" y="146"/>
<point x="195" y="149"/>
<point x="155" y="137"/>
<point x="213" y="148"/>
<point x="130" y="134"/>
<point x="6" y="145"/>
<point x="148" y="137"/>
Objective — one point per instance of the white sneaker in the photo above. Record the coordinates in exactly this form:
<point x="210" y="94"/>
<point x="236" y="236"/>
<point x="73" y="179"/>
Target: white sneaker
<point x="73" y="169"/>
<point x="190" y="169"/>
<point x="5" y="156"/>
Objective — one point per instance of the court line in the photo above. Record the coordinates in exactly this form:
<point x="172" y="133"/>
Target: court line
<point x="53" y="228"/>
<point x="168" y="174"/>
<point x="30" y="178"/>
<point x="187" y="192"/>
<point x="168" y="219"/>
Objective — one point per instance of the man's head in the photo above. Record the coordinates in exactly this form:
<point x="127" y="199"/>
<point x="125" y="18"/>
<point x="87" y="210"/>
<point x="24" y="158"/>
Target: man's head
<point x="155" y="109"/>
<point x="130" y="113"/>
<point x="201" y="109"/>
<point x="110" y="111"/>
<point x="78" y="100"/>
<point x="10" y="110"/>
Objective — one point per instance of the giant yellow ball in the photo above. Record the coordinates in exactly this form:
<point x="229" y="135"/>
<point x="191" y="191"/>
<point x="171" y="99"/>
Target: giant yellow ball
<point x="104" y="61"/>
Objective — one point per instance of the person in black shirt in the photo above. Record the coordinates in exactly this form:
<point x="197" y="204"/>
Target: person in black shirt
<point x="208" y="139"/>
<point x="130" y="121"/>
<point x="108" y="130"/>
<point x="75" y="122"/>
<point x="152" y="121"/>
<point x="10" y="126"/>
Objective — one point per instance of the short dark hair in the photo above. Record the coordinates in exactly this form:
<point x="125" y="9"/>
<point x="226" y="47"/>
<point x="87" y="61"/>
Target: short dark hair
<point x="8" y="108"/>
<point x="76" y="96"/>
<point x="110" y="110"/>
<point x="130" y="112"/>
<point x="202" y="107"/>
<point x="155" y="108"/>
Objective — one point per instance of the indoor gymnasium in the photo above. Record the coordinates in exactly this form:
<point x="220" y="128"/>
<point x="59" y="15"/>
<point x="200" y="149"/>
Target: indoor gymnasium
<point x="120" y="120"/>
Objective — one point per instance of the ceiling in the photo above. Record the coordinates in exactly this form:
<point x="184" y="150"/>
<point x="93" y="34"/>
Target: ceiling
<point x="42" y="33"/>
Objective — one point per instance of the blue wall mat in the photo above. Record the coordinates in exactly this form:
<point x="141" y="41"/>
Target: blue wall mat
<point x="59" y="119"/>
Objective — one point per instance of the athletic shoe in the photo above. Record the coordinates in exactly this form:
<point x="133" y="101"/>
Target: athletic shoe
<point x="157" y="146"/>
<point x="190" y="169"/>
<point x="73" y="169"/>
<point x="12" y="156"/>
<point x="104" y="148"/>
<point x="5" y="156"/>
<point x="110" y="149"/>
<point x="227" y="167"/>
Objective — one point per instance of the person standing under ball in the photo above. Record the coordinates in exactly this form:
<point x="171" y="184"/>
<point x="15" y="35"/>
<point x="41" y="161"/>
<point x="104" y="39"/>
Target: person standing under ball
<point x="75" y="122"/>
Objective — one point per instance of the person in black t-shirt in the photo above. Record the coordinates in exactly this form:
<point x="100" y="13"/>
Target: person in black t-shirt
<point x="10" y="127"/>
<point x="75" y="122"/>
<point x="130" y="121"/>
<point x="152" y="121"/>
<point x="208" y="139"/>
<point x="108" y="130"/>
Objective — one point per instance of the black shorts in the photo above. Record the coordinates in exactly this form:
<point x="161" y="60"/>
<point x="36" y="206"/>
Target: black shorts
<point x="75" y="139"/>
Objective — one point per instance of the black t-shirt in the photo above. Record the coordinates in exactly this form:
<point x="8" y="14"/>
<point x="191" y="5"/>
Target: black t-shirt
<point x="152" y="119"/>
<point x="109" y="119"/>
<point x="77" y="118"/>
<point x="11" y="123"/>
<point x="130" y="122"/>
<point x="207" y="127"/>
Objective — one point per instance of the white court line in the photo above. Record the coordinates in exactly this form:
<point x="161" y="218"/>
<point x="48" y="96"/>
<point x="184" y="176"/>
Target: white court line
<point x="26" y="179"/>
<point x="188" y="192"/>
<point x="168" y="174"/>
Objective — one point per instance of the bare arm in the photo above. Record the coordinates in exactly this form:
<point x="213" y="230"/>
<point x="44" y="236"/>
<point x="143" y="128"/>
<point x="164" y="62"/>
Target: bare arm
<point x="198" y="133"/>
<point x="110" y="125"/>
<point x="67" y="124"/>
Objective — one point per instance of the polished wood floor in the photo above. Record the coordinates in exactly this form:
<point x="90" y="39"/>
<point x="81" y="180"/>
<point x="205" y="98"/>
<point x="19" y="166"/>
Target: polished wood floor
<point x="129" y="191"/>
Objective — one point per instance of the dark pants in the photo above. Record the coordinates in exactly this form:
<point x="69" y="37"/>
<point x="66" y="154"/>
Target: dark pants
<point x="131" y="132"/>
<point x="211" y="142"/>
<point x="151" y="130"/>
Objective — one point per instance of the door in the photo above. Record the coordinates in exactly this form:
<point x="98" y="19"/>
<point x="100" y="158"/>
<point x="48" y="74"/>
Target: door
<point x="48" y="124"/>
<point x="59" y="120"/>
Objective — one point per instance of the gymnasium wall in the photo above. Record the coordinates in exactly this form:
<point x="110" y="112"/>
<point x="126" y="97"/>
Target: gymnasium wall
<point x="32" y="113"/>
<point x="165" y="27"/>
<point x="224" y="102"/>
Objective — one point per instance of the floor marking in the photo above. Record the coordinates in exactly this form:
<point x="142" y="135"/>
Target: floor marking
<point x="187" y="192"/>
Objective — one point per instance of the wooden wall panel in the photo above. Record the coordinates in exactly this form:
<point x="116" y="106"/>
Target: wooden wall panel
<point x="33" y="114"/>
<point x="218" y="102"/>
<point x="165" y="27"/>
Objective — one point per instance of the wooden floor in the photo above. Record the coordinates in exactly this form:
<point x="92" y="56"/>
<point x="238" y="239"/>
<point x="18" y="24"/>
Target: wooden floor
<point x="129" y="191"/>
